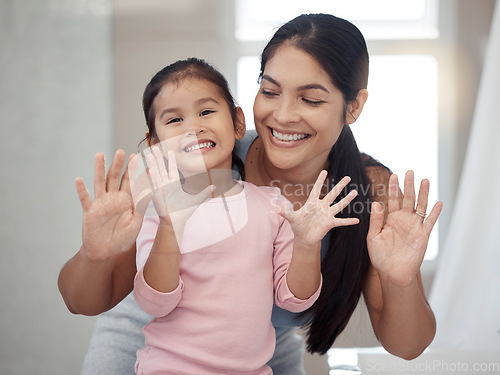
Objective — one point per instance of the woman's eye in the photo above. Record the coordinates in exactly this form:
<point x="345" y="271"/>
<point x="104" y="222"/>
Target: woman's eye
<point x="174" y="120"/>
<point x="312" y="102"/>
<point x="206" y="112"/>
<point x="268" y="93"/>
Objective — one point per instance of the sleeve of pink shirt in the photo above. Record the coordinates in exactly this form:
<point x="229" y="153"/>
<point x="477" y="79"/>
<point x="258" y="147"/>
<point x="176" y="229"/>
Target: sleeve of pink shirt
<point x="283" y="248"/>
<point x="150" y="300"/>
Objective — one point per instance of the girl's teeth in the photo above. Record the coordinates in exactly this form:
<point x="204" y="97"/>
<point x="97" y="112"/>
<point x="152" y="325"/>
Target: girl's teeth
<point x="288" y="137"/>
<point x="199" y="146"/>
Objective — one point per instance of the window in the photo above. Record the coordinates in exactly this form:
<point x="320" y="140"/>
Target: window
<point x="401" y="113"/>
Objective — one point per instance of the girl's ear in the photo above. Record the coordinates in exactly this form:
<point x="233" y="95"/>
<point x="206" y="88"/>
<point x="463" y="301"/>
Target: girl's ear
<point x="239" y="124"/>
<point x="355" y="108"/>
<point x="150" y="140"/>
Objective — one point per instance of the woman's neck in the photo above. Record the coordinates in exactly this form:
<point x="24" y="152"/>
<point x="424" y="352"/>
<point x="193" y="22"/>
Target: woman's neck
<point x="295" y="183"/>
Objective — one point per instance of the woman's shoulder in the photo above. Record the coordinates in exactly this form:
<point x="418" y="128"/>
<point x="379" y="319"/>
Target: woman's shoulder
<point x="242" y="145"/>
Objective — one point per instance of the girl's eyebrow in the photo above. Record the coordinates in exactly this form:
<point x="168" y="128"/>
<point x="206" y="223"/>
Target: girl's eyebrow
<point x="199" y="102"/>
<point x="309" y="86"/>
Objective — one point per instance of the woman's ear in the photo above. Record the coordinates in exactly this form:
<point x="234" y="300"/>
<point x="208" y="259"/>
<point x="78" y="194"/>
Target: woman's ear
<point x="355" y="108"/>
<point x="239" y="124"/>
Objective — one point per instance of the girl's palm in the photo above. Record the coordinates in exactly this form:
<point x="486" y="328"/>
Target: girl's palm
<point x="312" y="222"/>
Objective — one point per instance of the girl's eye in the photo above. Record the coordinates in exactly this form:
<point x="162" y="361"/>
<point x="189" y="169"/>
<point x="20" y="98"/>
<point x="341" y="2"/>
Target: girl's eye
<point x="174" y="120"/>
<point x="312" y="102"/>
<point x="206" y="112"/>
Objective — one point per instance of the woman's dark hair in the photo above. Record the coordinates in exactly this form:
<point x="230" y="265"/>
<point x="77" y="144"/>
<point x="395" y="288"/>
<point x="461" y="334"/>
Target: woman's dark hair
<point x="176" y="72"/>
<point x="339" y="47"/>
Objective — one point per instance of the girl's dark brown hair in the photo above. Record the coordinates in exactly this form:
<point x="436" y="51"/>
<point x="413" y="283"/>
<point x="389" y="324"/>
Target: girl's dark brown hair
<point x="339" y="47"/>
<point x="176" y="72"/>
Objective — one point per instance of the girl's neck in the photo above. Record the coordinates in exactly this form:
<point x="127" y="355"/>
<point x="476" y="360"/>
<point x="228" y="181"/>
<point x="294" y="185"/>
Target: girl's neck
<point x="220" y="178"/>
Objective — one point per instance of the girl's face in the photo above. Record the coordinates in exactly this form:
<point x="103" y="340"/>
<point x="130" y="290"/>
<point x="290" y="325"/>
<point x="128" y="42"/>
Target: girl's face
<point x="193" y="119"/>
<point x="298" y="111"/>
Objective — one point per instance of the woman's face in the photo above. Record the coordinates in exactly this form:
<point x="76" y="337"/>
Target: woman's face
<point x="298" y="111"/>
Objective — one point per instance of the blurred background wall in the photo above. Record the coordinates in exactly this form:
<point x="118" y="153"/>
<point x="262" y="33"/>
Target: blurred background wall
<point x="72" y="74"/>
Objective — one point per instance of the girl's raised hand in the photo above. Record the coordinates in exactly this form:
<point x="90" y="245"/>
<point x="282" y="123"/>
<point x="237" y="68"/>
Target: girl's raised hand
<point x="397" y="248"/>
<point x="110" y="222"/>
<point x="173" y="205"/>
<point x="312" y="222"/>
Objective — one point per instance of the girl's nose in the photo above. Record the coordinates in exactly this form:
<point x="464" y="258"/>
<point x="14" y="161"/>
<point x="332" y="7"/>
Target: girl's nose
<point x="286" y="111"/>
<point x="195" y="127"/>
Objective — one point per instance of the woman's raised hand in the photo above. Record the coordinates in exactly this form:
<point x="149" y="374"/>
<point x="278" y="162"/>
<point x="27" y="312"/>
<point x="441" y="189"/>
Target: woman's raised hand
<point x="110" y="222"/>
<point x="312" y="221"/>
<point x="173" y="205"/>
<point x="397" y="247"/>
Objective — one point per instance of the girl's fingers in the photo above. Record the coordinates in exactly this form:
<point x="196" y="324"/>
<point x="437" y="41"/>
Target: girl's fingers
<point x="409" y="192"/>
<point x="115" y="170"/>
<point x="318" y="185"/>
<point x="336" y="208"/>
<point x="99" y="182"/>
<point x="393" y="202"/>
<point x="83" y="194"/>
<point x="432" y="218"/>
<point x="341" y="222"/>
<point x="160" y="163"/>
<point x="173" y="172"/>
<point x="376" y="220"/>
<point x="423" y="195"/>
<point x="206" y="193"/>
<point x="286" y="213"/>
<point x="334" y="193"/>
<point x="153" y="172"/>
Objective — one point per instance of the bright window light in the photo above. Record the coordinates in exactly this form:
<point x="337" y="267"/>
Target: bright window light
<point x="381" y="19"/>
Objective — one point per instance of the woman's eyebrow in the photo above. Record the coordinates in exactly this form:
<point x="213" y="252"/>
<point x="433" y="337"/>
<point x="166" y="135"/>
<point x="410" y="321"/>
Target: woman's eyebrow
<point x="309" y="86"/>
<point x="272" y="80"/>
<point x="313" y="86"/>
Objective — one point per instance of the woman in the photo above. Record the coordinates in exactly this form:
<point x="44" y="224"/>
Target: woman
<point x="313" y="75"/>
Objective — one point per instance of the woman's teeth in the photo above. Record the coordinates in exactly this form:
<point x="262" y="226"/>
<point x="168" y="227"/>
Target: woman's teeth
<point x="288" y="137"/>
<point x="199" y="146"/>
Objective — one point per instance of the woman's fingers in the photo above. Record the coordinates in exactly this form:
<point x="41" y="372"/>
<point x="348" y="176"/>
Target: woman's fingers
<point x="432" y="218"/>
<point x="409" y="192"/>
<point x="393" y="201"/>
<point x="83" y="194"/>
<point x="99" y="173"/>
<point x="423" y="195"/>
<point x="115" y="170"/>
<point x="376" y="220"/>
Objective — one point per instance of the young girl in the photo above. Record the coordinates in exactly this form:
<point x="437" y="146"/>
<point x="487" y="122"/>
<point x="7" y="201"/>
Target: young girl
<point x="209" y="269"/>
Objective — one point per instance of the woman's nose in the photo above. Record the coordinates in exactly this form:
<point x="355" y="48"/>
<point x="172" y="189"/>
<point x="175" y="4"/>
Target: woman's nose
<point x="286" y="111"/>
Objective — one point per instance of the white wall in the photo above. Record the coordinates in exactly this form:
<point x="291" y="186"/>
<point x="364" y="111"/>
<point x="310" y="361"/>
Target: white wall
<point x="55" y="114"/>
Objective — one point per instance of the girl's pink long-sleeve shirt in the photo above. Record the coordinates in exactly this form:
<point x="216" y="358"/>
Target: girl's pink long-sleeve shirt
<point x="234" y="257"/>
